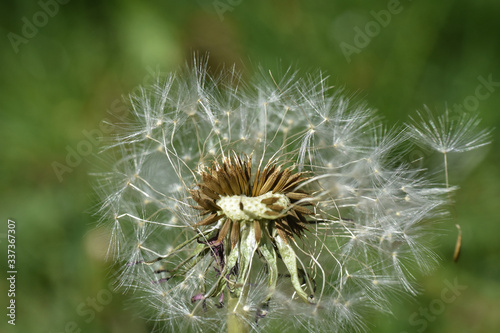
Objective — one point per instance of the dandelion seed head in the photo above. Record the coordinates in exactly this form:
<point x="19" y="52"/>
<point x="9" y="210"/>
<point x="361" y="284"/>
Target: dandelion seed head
<point x="281" y="202"/>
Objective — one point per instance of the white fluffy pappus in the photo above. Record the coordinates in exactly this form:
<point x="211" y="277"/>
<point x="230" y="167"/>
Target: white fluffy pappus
<point x="355" y="226"/>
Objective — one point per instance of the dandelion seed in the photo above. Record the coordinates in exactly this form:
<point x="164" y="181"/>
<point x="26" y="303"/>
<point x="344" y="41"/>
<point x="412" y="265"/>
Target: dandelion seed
<point x="447" y="135"/>
<point x="280" y="204"/>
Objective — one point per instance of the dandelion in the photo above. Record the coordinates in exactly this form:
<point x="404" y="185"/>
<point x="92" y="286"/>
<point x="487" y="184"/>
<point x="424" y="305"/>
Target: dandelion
<point x="281" y="203"/>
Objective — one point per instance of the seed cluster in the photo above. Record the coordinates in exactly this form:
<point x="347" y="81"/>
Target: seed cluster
<point x="312" y="251"/>
<point x="275" y="186"/>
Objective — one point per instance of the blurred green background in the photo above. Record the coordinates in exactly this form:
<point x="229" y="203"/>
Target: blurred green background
<point x="65" y="66"/>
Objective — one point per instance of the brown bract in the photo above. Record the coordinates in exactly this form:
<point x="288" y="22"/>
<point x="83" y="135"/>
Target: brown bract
<point x="234" y="177"/>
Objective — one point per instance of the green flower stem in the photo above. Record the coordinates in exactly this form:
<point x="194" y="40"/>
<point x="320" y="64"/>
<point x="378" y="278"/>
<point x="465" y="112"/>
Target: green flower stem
<point x="236" y="322"/>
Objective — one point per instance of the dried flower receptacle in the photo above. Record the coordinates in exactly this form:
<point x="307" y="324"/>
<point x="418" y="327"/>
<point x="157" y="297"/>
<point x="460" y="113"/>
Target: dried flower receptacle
<point x="270" y="203"/>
